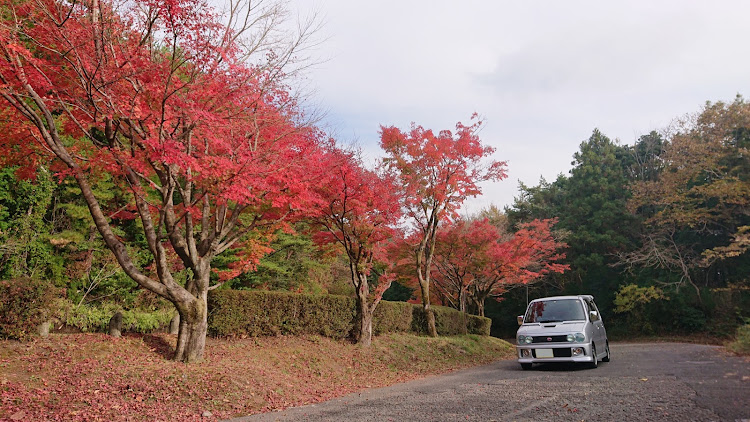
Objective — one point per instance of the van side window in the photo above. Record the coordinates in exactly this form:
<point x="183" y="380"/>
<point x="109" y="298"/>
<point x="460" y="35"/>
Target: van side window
<point x="591" y="307"/>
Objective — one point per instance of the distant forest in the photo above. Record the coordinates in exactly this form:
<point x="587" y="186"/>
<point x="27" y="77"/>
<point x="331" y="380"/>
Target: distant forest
<point x="658" y="231"/>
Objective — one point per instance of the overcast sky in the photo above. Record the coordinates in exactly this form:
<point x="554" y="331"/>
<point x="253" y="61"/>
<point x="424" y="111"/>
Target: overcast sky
<point x="543" y="74"/>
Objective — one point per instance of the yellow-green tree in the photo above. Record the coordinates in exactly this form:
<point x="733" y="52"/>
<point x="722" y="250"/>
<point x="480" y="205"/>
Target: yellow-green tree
<point x="697" y="211"/>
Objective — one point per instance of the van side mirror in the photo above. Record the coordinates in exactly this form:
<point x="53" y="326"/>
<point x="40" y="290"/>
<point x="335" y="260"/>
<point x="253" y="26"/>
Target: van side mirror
<point x="519" y="319"/>
<point x="594" y="316"/>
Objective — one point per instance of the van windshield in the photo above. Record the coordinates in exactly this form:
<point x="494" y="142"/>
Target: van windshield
<point x="557" y="310"/>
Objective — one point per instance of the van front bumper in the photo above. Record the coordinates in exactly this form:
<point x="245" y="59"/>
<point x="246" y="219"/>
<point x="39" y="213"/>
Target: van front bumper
<point x="559" y="352"/>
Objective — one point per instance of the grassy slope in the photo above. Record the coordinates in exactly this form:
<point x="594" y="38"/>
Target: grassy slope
<point x="95" y="377"/>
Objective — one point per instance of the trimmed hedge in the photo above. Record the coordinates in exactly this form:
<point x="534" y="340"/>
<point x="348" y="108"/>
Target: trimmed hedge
<point x="25" y="303"/>
<point x="478" y="325"/>
<point x="263" y="313"/>
<point x="392" y="317"/>
<point x="450" y="322"/>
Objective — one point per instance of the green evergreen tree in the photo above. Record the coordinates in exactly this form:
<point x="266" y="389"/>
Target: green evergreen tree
<point x="25" y="247"/>
<point x="591" y="206"/>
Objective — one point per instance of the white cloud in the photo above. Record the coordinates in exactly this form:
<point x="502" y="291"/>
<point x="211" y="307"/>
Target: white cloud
<point x="544" y="74"/>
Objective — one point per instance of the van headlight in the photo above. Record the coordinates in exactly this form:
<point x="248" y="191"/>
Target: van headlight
<point x="577" y="338"/>
<point x="522" y="339"/>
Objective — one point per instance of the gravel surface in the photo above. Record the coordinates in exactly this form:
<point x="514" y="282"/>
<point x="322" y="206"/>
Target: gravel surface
<point x="644" y="382"/>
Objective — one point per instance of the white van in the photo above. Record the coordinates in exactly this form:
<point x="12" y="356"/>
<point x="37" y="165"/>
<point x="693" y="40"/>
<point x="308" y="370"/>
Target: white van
<point x="562" y="329"/>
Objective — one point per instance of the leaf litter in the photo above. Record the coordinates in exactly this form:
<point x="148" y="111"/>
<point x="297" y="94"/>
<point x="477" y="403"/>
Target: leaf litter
<point x="94" y="377"/>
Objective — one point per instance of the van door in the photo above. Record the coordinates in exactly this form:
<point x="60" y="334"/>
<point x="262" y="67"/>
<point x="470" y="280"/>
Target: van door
<point x="600" y="335"/>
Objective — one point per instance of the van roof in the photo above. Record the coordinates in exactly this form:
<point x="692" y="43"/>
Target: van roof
<point x="589" y="297"/>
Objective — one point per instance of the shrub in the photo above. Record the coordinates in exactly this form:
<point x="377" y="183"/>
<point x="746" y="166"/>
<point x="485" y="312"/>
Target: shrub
<point x="262" y="313"/>
<point x="741" y="344"/>
<point x="450" y="322"/>
<point x="478" y="325"/>
<point x="25" y="303"/>
<point x="392" y="317"/>
<point x="145" y="321"/>
<point x="87" y="318"/>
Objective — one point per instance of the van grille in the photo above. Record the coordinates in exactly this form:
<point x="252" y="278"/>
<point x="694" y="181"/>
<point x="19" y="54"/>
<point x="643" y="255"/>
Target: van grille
<point x="551" y="339"/>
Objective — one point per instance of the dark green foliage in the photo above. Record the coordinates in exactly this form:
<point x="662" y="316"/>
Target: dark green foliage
<point x="392" y="317"/>
<point x="25" y="248"/>
<point x="591" y="204"/>
<point x="263" y="313"/>
<point x="503" y="314"/>
<point x="718" y="314"/>
<point x="46" y="232"/>
<point x="595" y="213"/>
<point x="94" y="318"/>
<point x="645" y="158"/>
<point x="398" y="292"/>
<point x="450" y="322"/>
<point x="478" y="325"/>
<point x="25" y="303"/>
<point x="691" y="319"/>
<point x="741" y="344"/>
<point x="538" y="202"/>
<point x="729" y="308"/>
<point x="294" y="258"/>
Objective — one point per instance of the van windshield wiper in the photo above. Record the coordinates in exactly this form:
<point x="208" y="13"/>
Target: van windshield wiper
<point x="544" y="321"/>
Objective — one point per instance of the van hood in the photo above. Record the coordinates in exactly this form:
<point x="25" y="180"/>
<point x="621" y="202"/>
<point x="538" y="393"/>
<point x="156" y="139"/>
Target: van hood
<point x="552" y="328"/>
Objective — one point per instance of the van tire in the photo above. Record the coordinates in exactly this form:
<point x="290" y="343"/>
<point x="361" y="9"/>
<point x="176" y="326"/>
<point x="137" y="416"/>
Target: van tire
<point x="595" y="360"/>
<point x="606" y="358"/>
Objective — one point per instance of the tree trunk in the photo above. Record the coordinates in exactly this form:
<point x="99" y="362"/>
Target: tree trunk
<point x="462" y="300"/>
<point x="431" y="326"/>
<point x="363" y="330"/>
<point x="191" y="340"/>
<point x="365" y="326"/>
<point x="480" y="308"/>
<point x="428" y="312"/>
<point x="478" y="298"/>
<point x="174" y="324"/>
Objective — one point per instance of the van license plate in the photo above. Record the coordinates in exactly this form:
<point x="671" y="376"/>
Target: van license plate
<point x="544" y="353"/>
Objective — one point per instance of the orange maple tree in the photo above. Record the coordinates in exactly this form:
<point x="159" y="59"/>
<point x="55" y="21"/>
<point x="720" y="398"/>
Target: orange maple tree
<point x="359" y="210"/>
<point x="437" y="173"/>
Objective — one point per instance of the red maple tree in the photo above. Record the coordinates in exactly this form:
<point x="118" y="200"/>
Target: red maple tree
<point x="462" y="249"/>
<point x="475" y="260"/>
<point x="159" y="94"/>
<point x="437" y="172"/>
<point x="528" y="255"/>
<point x="359" y="210"/>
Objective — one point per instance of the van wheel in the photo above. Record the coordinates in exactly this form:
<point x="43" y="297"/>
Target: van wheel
<point x="594" y="359"/>
<point x="606" y="358"/>
<point x="526" y="366"/>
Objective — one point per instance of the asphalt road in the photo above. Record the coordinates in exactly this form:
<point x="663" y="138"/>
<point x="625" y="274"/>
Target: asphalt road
<point x="643" y="382"/>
